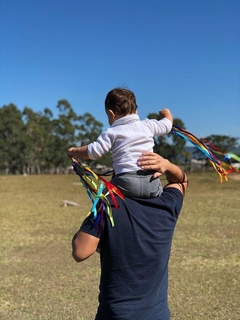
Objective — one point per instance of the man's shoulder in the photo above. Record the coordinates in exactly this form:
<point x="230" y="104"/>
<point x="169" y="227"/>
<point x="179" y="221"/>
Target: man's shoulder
<point x="170" y="199"/>
<point x="172" y="193"/>
<point x="168" y="189"/>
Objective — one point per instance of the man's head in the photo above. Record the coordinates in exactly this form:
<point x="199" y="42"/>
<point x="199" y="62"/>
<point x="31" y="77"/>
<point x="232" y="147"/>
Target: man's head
<point x="120" y="102"/>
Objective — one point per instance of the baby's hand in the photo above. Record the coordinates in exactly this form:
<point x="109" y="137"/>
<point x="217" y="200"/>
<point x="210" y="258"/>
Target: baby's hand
<point x="69" y="152"/>
<point x="165" y="113"/>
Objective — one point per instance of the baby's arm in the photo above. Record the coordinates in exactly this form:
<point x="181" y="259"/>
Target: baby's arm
<point x="163" y="125"/>
<point x="166" y="113"/>
<point x="95" y="149"/>
<point x="78" y="152"/>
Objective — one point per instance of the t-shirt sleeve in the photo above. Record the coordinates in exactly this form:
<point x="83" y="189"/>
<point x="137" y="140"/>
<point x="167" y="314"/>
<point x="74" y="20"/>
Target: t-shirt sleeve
<point x="173" y="199"/>
<point x="91" y="226"/>
<point x="159" y="127"/>
<point x="102" y="145"/>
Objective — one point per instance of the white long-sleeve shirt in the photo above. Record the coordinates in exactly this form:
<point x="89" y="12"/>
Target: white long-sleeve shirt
<point x="128" y="138"/>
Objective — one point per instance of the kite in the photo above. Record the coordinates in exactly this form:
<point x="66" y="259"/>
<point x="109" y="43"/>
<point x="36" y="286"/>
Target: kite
<point x="97" y="189"/>
<point x="224" y="167"/>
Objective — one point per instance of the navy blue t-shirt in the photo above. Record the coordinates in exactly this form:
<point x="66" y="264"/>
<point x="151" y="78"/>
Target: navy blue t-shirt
<point x="134" y="257"/>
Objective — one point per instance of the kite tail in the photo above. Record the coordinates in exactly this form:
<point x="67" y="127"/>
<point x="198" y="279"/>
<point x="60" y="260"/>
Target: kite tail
<point x="97" y="189"/>
<point x="209" y="150"/>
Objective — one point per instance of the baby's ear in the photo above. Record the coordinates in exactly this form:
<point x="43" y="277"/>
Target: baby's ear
<point x="111" y="113"/>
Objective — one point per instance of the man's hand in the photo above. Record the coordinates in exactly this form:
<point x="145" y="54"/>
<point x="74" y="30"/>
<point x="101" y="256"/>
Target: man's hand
<point x="175" y="176"/>
<point x="153" y="161"/>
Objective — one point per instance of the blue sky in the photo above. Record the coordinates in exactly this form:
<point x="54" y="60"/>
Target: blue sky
<point x="178" y="54"/>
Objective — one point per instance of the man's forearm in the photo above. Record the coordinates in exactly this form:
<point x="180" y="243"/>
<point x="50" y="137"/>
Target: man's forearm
<point x="174" y="174"/>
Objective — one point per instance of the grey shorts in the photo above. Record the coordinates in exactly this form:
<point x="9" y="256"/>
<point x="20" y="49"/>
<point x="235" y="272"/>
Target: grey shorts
<point x="138" y="184"/>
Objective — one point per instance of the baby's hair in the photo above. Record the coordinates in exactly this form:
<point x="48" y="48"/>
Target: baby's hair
<point x="121" y="101"/>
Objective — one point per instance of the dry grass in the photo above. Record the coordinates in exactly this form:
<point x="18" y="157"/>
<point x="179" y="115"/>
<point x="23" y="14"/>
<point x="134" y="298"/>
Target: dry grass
<point x="205" y="263"/>
<point x="40" y="280"/>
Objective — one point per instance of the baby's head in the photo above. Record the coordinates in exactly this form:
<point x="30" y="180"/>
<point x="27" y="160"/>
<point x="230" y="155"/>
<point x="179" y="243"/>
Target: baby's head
<point x="120" y="102"/>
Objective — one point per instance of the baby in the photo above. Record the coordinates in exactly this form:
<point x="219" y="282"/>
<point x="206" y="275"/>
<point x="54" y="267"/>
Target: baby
<point x="127" y="138"/>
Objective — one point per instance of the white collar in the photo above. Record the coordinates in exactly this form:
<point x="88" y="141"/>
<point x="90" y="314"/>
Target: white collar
<point x="127" y="119"/>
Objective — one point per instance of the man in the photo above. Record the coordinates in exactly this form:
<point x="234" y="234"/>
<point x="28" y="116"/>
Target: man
<point x="135" y="252"/>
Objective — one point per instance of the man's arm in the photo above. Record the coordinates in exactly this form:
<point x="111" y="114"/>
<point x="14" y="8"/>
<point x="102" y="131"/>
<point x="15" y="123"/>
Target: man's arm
<point x="83" y="246"/>
<point x="175" y="176"/>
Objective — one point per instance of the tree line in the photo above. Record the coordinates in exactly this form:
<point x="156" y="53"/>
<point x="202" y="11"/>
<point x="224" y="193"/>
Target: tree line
<point x="36" y="142"/>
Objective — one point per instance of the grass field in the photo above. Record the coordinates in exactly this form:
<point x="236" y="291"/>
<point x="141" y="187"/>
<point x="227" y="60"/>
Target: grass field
<point x="40" y="280"/>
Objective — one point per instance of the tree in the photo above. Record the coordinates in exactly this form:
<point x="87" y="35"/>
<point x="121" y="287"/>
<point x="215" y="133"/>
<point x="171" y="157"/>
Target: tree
<point x="89" y="130"/>
<point x="64" y="132"/>
<point x="12" y="142"/>
<point x="222" y="143"/>
<point x="170" y="146"/>
<point x="36" y="142"/>
<point x="48" y="138"/>
<point x="39" y="138"/>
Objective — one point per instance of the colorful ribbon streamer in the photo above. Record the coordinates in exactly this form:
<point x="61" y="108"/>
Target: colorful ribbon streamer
<point x="97" y="189"/>
<point x="223" y="168"/>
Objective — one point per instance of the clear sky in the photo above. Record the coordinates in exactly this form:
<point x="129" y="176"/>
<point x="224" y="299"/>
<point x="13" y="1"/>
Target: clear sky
<point x="178" y="54"/>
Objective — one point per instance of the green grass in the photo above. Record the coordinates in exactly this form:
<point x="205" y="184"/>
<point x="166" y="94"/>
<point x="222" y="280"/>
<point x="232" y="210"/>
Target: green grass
<point x="40" y="280"/>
